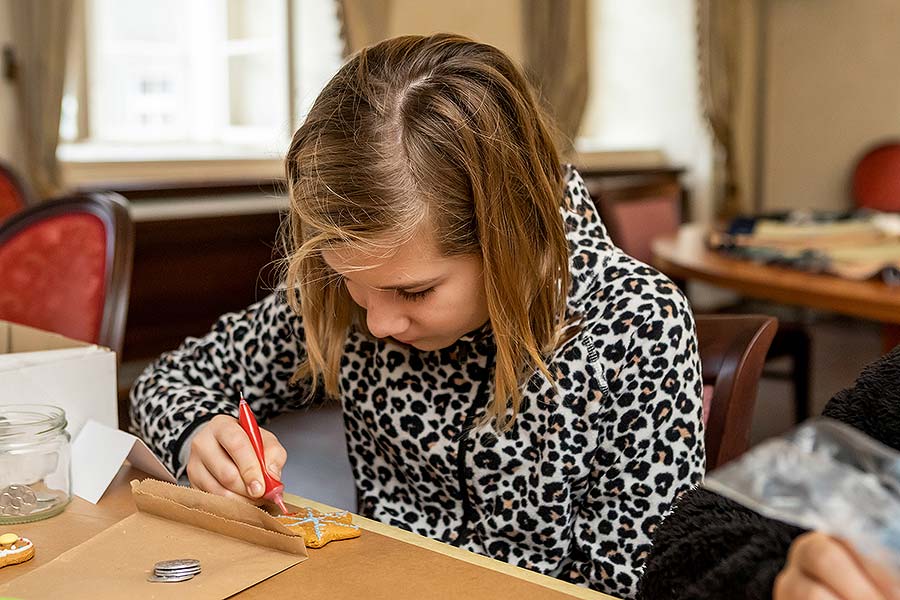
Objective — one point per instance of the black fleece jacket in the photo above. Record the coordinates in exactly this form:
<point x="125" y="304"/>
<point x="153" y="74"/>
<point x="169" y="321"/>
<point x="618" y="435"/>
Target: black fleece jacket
<point x="711" y="547"/>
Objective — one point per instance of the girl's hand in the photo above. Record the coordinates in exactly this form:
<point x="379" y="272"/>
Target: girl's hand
<point x="820" y="567"/>
<point x="222" y="460"/>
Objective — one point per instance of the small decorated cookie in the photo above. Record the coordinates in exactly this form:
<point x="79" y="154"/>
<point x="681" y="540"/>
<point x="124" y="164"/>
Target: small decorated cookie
<point x="14" y="550"/>
<point x="320" y="528"/>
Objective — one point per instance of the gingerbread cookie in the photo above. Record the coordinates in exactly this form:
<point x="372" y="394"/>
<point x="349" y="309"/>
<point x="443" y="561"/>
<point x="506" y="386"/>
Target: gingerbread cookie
<point x="320" y="528"/>
<point x="14" y="550"/>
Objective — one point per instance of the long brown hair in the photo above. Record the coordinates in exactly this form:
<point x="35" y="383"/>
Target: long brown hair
<point x="436" y="131"/>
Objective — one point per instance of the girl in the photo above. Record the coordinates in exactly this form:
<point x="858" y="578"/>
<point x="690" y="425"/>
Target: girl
<point x="511" y="382"/>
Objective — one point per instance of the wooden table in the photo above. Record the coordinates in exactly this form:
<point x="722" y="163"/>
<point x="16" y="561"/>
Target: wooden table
<point x="375" y="566"/>
<point x="686" y="256"/>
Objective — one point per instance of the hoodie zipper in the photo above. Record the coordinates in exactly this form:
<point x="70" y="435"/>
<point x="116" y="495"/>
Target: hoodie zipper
<point x="464" y="440"/>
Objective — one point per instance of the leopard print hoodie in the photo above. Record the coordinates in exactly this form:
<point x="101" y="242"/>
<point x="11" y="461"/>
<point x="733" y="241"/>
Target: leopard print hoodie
<point x="574" y="490"/>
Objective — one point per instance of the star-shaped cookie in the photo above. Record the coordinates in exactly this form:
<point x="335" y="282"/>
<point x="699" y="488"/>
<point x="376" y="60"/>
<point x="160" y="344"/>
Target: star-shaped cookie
<point x="319" y="528"/>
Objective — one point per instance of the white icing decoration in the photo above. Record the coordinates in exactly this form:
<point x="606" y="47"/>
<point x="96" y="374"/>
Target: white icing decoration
<point x="13" y="550"/>
<point x="316" y="521"/>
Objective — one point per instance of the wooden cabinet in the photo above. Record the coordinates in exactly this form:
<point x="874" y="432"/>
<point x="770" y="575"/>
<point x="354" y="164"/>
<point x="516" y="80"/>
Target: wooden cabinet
<point x="189" y="271"/>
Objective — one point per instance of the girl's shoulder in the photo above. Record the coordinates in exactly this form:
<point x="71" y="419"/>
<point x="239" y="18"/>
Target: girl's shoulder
<point x="607" y="281"/>
<point x="608" y="285"/>
<point x="626" y="300"/>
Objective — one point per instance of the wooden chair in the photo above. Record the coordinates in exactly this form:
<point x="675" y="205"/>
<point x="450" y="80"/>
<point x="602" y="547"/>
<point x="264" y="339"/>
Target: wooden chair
<point x="732" y="353"/>
<point x="14" y="194"/>
<point x="65" y="266"/>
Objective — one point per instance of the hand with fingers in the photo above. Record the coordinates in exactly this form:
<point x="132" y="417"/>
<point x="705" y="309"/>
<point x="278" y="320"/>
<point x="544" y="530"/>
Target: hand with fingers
<point x="222" y="460"/>
<point x="820" y="567"/>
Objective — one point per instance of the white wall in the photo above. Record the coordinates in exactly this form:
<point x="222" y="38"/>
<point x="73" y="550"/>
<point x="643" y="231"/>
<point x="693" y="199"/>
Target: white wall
<point x="833" y="89"/>
<point x="644" y="91"/>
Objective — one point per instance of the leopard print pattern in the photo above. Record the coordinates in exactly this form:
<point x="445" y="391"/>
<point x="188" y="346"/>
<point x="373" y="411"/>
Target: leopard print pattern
<point x="574" y="490"/>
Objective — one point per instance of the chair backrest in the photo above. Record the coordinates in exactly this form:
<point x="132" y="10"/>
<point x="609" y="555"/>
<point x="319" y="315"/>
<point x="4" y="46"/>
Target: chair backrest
<point x="14" y="195"/>
<point x="634" y="216"/>
<point x="732" y="353"/>
<point x="65" y="266"/>
<point x="876" y="178"/>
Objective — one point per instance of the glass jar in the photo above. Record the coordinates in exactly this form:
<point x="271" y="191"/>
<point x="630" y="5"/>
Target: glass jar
<point x="35" y="456"/>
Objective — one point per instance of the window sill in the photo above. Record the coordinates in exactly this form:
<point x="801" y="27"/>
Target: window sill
<point x="214" y="205"/>
<point x="591" y="155"/>
<point x="112" y="167"/>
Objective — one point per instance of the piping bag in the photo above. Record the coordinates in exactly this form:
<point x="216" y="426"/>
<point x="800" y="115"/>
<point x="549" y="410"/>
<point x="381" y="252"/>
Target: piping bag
<point x="274" y="488"/>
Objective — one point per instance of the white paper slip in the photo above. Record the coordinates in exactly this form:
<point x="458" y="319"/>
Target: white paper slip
<point x="99" y="451"/>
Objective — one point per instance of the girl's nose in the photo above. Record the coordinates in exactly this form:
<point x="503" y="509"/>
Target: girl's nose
<point x="385" y="320"/>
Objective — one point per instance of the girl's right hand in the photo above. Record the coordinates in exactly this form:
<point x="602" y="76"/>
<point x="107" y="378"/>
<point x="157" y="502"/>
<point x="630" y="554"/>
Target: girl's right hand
<point x="821" y="567"/>
<point x="222" y="460"/>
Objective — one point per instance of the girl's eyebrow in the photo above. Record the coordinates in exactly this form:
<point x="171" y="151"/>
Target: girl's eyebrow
<point x="406" y="287"/>
<point x="409" y="286"/>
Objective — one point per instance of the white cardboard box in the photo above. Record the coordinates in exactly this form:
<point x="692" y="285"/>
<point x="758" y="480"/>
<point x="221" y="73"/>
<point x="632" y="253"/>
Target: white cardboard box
<point x="38" y="367"/>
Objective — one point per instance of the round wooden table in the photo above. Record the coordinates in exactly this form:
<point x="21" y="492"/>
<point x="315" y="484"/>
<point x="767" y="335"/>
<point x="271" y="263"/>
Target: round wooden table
<point x="686" y="256"/>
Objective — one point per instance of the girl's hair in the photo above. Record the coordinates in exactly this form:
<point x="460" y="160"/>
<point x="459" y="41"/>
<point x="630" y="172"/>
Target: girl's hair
<point x="439" y="132"/>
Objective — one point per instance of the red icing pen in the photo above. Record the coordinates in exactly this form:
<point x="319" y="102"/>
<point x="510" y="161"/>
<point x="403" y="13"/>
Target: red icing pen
<point x="274" y="488"/>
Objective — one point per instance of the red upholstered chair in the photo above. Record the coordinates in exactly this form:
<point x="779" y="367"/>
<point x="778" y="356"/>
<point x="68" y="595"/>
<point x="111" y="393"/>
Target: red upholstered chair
<point x="732" y="354"/>
<point x="876" y="178"/>
<point x="14" y="195"/>
<point x="637" y="214"/>
<point x="65" y="266"/>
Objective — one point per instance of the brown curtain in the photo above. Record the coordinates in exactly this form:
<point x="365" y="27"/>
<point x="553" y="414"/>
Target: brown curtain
<point x="40" y="35"/>
<point x="363" y="22"/>
<point x="728" y="50"/>
<point x="556" y="59"/>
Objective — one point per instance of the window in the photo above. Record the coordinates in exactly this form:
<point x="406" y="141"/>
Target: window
<point x="196" y="79"/>
<point x="644" y="88"/>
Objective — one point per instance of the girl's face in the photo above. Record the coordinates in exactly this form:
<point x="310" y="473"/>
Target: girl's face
<point x="414" y="295"/>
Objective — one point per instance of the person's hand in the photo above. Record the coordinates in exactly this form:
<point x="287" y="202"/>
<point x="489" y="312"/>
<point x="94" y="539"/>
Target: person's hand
<point x="222" y="460"/>
<point x="820" y="567"/>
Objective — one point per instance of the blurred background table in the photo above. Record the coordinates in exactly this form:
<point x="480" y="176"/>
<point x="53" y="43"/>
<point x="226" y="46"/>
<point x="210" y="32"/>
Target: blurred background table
<point x="686" y="256"/>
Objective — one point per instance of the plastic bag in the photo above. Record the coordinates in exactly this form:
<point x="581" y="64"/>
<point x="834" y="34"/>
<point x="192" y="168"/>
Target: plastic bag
<point x="826" y="476"/>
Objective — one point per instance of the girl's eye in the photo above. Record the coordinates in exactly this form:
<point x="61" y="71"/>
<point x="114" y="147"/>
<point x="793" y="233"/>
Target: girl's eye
<point x="414" y="296"/>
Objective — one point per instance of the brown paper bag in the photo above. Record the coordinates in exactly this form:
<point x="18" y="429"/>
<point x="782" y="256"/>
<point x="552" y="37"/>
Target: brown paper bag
<point x="215" y="513"/>
<point x="238" y="545"/>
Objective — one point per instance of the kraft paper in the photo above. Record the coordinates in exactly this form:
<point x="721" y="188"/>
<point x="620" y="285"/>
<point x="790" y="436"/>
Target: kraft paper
<point x="238" y="545"/>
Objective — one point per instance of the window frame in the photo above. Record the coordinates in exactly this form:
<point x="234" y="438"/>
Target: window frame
<point x="88" y="165"/>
